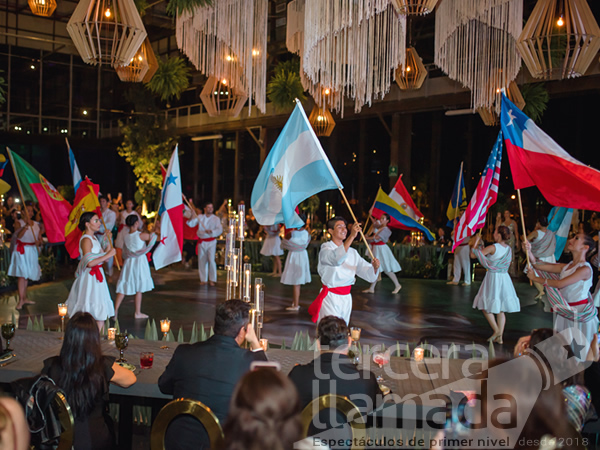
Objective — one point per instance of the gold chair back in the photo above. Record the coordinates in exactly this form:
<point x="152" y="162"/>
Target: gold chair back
<point x="343" y="405"/>
<point x="185" y="406"/>
<point x="66" y="421"/>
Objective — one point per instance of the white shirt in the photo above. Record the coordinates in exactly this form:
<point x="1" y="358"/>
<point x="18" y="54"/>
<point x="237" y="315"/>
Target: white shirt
<point x="29" y="237"/>
<point x="384" y="235"/>
<point x="339" y="268"/>
<point x="110" y="218"/>
<point x="209" y="226"/>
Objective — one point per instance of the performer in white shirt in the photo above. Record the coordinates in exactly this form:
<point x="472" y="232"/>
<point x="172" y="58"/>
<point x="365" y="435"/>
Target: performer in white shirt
<point x="339" y="264"/>
<point x="209" y="229"/>
<point x="543" y="246"/>
<point x="110" y="219"/>
<point x="129" y="210"/>
<point x="297" y="265"/>
<point x="389" y="265"/>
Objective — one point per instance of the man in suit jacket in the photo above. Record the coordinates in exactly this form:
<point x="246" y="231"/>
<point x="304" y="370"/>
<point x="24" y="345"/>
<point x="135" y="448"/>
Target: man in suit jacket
<point x="208" y="372"/>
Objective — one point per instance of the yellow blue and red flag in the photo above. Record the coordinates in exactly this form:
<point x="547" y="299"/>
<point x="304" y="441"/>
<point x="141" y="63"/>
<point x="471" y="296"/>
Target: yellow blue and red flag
<point x="399" y="218"/>
<point x="458" y="200"/>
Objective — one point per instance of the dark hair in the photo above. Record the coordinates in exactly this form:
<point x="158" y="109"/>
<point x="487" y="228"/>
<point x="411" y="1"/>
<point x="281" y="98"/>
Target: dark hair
<point x="205" y="204"/>
<point x="386" y="215"/>
<point x="551" y="358"/>
<point x="504" y="232"/>
<point x="81" y="362"/>
<point x="230" y="316"/>
<point x="85" y="218"/>
<point x="589" y="241"/>
<point x="102" y="197"/>
<point x="331" y="222"/>
<point x="131" y="220"/>
<point x="333" y="332"/>
<point x="543" y="221"/>
<point x="264" y="413"/>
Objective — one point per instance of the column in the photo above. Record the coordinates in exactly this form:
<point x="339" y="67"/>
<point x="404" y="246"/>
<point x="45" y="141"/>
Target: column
<point x="215" y="180"/>
<point x="434" y="164"/>
<point x="195" y="172"/>
<point x="236" y="170"/>
<point x="400" y="147"/>
<point x="362" y="163"/>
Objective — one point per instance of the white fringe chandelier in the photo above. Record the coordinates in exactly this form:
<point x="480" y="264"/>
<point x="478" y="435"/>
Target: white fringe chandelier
<point x="475" y="44"/>
<point x="229" y="41"/>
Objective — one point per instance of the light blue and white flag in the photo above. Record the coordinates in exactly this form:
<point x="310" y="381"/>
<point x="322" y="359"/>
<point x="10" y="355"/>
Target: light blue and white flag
<point x="296" y="169"/>
<point x="74" y="169"/>
<point x="559" y="222"/>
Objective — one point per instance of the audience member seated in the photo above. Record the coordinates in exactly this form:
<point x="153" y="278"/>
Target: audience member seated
<point x="83" y="372"/>
<point x="208" y="372"/>
<point x="14" y="433"/>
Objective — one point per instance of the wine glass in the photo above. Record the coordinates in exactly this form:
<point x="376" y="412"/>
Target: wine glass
<point x="121" y="341"/>
<point x="8" y="331"/>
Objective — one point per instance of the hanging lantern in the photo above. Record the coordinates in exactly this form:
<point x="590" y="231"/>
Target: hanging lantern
<point x="44" y="8"/>
<point x="106" y="31"/>
<point x="412" y="74"/>
<point x="321" y="121"/>
<point x="414" y="7"/>
<point x="152" y="61"/>
<point x="220" y="98"/>
<point x="489" y="115"/>
<point x="560" y="35"/>
<point x="136" y="70"/>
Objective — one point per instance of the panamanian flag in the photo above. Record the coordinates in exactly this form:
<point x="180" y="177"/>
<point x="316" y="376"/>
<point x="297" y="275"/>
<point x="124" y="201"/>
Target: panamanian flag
<point x="170" y="246"/>
<point x="296" y="169"/>
<point x="536" y="160"/>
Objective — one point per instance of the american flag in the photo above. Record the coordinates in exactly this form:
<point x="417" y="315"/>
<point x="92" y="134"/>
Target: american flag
<point x="484" y="196"/>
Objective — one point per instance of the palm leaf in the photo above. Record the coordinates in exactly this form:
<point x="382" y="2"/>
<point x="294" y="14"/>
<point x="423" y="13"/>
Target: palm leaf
<point x="536" y="100"/>
<point x="175" y="7"/>
<point x="171" y="78"/>
<point x="285" y="85"/>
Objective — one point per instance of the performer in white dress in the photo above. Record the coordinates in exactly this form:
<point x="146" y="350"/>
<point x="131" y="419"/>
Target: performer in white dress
<point x="272" y="247"/>
<point x="90" y="291"/>
<point x="513" y="241"/>
<point x="389" y="265"/>
<point x="209" y="229"/>
<point x="497" y="293"/>
<point x="339" y="264"/>
<point x="543" y="246"/>
<point x="110" y="219"/>
<point x="24" y="262"/>
<point x="135" y="277"/>
<point x="297" y="267"/>
<point x="128" y="211"/>
<point x="568" y="290"/>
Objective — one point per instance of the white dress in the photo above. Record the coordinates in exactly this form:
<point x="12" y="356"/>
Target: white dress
<point x="135" y="276"/>
<point x="26" y="265"/>
<point x="87" y="293"/>
<point x="272" y="244"/>
<point x="383" y="252"/>
<point x="123" y="228"/>
<point x="497" y="292"/>
<point x="297" y="267"/>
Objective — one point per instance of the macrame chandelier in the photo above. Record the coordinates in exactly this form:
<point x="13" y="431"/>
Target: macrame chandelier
<point x="44" y="8"/>
<point x="136" y="70"/>
<point x="489" y="115"/>
<point x="106" y="31"/>
<point x="475" y="44"/>
<point x="411" y="75"/>
<point x="219" y="98"/>
<point x="321" y="121"/>
<point x="352" y="47"/>
<point x="228" y="40"/>
<point x="414" y="7"/>
<point x="560" y="35"/>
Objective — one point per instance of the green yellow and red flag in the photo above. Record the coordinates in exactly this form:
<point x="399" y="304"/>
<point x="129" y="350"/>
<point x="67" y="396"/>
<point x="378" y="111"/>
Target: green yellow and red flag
<point x="86" y="199"/>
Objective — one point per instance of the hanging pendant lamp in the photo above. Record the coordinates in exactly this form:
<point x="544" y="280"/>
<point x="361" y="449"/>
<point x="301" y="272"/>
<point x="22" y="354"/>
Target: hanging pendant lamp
<point x="136" y="70"/>
<point x="221" y="98"/>
<point x="489" y="115"/>
<point x="412" y="74"/>
<point x="321" y="121"/>
<point x="414" y="7"/>
<point x="44" y="8"/>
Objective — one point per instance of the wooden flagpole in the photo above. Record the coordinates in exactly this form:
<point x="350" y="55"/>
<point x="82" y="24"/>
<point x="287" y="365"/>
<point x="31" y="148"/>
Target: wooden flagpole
<point x="12" y="163"/>
<point x="356" y="221"/>
<point x="458" y="193"/>
<point x="107" y="232"/>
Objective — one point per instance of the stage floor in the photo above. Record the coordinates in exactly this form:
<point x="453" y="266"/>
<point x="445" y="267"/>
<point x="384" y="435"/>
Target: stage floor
<point x="424" y="310"/>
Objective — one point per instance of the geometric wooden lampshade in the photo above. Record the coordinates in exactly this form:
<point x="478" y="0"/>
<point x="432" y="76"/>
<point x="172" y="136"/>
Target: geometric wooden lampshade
<point x="321" y="121"/>
<point x="106" y="31"/>
<point x="44" y="8"/>
<point x="152" y="62"/>
<point x="561" y="36"/>
<point x="414" y="7"/>
<point x="136" y="70"/>
<point x="489" y="115"/>
<point x="220" y="99"/>
<point x="412" y="74"/>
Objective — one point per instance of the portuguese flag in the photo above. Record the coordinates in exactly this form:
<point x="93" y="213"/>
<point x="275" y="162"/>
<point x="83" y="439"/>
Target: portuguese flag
<point x="86" y="199"/>
<point x="34" y="187"/>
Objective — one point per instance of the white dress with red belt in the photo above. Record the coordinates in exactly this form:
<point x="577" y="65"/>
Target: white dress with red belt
<point x="24" y="259"/>
<point x="383" y="252"/>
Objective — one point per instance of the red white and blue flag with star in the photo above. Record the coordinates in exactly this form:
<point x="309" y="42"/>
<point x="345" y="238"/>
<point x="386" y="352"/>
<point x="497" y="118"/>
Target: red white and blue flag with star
<point x="536" y="160"/>
<point x="170" y="246"/>
<point x="485" y="195"/>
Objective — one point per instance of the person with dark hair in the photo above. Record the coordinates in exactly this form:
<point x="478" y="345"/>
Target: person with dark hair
<point x="297" y="267"/>
<point x="209" y="229"/>
<point x="90" y="291"/>
<point x="378" y="241"/>
<point x="83" y="372"/>
<point x="333" y="371"/>
<point x="208" y="371"/>
<point x="272" y="247"/>
<point x="568" y="288"/>
<point x="339" y="264"/>
<point x="110" y="219"/>
<point x="128" y="211"/>
<point x="264" y="413"/>
<point x="543" y="246"/>
<point x="497" y="293"/>
<point x="513" y="239"/>
<point x="135" y="277"/>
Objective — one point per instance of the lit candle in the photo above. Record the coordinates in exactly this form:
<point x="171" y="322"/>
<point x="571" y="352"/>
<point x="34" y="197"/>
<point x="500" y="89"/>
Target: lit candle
<point x="62" y="309"/>
<point x="247" y="283"/>
<point x="419" y="354"/>
<point x="241" y="219"/>
<point x="326" y="211"/>
<point x="111" y="334"/>
<point x="165" y="325"/>
<point x="355" y="333"/>
<point x="264" y="343"/>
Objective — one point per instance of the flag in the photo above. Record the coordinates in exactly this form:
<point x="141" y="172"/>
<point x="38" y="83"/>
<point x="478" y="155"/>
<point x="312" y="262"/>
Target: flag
<point x="3" y="163"/>
<point x="399" y="218"/>
<point x="170" y="211"/>
<point x="86" y="200"/>
<point x="461" y="193"/>
<point x="74" y="169"/>
<point x="34" y="187"/>
<point x="4" y="186"/>
<point x="536" y="160"/>
<point x="296" y="168"/>
<point x="401" y="196"/>
<point x="559" y="222"/>
<point x="485" y="195"/>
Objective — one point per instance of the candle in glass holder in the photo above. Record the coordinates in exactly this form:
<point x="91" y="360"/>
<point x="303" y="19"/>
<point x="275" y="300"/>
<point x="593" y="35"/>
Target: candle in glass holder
<point x="241" y="221"/>
<point x="264" y="343"/>
<point x="165" y="325"/>
<point x="62" y="309"/>
<point x="111" y="334"/>
<point x="258" y="294"/>
<point x="235" y="266"/>
<point x="355" y="333"/>
<point x="419" y="354"/>
<point x="247" y="286"/>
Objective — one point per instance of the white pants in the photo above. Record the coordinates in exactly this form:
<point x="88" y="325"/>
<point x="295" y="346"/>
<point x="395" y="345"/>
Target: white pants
<point x="206" y="261"/>
<point x="336" y="305"/>
<point x="462" y="263"/>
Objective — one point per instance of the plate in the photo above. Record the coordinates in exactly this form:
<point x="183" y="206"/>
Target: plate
<point x="127" y="366"/>
<point x="6" y="357"/>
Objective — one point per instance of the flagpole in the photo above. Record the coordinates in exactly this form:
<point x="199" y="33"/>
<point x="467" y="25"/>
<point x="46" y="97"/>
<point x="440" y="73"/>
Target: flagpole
<point x="458" y="192"/>
<point x="371" y="209"/>
<point x="12" y="164"/>
<point x="523" y="225"/>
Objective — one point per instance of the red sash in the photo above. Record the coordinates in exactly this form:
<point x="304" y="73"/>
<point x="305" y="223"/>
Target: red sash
<point x="95" y="272"/>
<point x="377" y="243"/>
<point x="21" y="246"/>
<point x="315" y="306"/>
<point x="580" y="302"/>
<point x="200" y="241"/>
<point x="120" y="227"/>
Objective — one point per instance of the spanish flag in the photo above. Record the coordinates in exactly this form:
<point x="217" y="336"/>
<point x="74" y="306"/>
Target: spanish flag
<point x="86" y="199"/>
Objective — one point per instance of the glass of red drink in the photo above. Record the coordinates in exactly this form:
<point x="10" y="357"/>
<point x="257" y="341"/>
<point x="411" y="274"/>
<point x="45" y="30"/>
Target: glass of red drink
<point x="146" y="360"/>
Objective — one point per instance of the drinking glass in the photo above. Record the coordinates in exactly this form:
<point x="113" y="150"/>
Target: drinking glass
<point x="121" y="341"/>
<point x="146" y="360"/>
<point x="8" y="331"/>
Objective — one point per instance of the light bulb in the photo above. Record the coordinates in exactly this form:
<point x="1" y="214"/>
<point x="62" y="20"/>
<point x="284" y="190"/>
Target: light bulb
<point x="255" y="52"/>
<point x="224" y="82"/>
<point x="228" y="58"/>
<point x="408" y="68"/>
<point x="326" y="91"/>
<point x="107" y="13"/>
<point x="319" y="118"/>
<point x="560" y="22"/>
